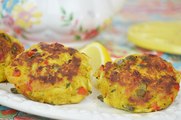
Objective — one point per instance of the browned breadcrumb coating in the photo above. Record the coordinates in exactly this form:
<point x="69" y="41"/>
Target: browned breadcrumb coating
<point x="51" y="73"/>
<point x="138" y="83"/>
<point x="9" y="49"/>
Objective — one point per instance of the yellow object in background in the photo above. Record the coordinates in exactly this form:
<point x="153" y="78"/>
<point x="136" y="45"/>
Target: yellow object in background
<point x="97" y="53"/>
<point x="161" y="36"/>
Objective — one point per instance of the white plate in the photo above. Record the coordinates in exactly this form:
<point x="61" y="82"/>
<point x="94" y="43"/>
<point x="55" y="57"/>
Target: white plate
<point x="90" y="108"/>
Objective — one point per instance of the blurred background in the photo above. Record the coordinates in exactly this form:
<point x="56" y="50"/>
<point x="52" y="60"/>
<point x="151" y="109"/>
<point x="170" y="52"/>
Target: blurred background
<point x="81" y="21"/>
<point x="139" y="11"/>
<point x="74" y="22"/>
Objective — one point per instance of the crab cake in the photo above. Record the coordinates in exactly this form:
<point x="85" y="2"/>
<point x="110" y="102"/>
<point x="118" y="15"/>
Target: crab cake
<point x="9" y="49"/>
<point x="51" y="73"/>
<point x="138" y="83"/>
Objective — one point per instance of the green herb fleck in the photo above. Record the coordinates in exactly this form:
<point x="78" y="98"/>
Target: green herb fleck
<point x="68" y="85"/>
<point x="141" y="65"/>
<point x="119" y="62"/>
<point x="131" y="57"/>
<point x="35" y="55"/>
<point x="90" y="92"/>
<point x="13" y="49"/>
<point x="100" y="97"/>
<point x="56" y="67"/>
<point x="5" y="37"/>
<point x="14" y="90"/>
<point x="140" y="92"/>
<point x="113" y="90"/>
<point x="128" y="108"/>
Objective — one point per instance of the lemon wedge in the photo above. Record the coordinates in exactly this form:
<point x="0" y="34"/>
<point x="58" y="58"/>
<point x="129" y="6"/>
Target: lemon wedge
<point x="98" y="55"/>
<point x="161" y="36"/>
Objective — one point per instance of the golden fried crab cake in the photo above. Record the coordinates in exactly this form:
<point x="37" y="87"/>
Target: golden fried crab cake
<point x="51" y="73"/>
<point x="138" y="83"/>
<point x="9" y="49"/>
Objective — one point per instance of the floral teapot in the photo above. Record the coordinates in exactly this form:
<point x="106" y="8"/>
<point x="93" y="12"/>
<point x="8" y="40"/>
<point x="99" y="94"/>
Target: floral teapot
<point x="64" y="21"/>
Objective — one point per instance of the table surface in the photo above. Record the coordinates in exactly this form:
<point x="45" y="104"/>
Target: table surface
<point x="115" y="39"/>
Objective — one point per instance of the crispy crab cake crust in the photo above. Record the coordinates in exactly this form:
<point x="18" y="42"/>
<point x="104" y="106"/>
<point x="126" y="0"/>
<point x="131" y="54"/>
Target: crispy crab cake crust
<point x="9" y="49"/>
<point x="51" y="73"/>
<point x="138" y="83"/>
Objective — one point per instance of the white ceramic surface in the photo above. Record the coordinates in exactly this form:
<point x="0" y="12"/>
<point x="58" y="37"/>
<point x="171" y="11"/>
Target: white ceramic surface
<point x="89" y="109"/>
